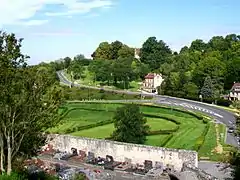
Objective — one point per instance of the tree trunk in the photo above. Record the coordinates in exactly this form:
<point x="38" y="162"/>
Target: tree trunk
<point x="2" y="154"/>
<point x="9" y="155"/>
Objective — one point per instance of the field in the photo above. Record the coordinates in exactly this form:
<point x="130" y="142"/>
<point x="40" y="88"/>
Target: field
<point x="172" y="128"/>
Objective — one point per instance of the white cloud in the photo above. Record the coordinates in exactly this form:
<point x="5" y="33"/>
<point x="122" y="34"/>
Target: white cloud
<point x="60" y="33"/>
<point x="75" y="7"/>
<point x="14" y="11"/>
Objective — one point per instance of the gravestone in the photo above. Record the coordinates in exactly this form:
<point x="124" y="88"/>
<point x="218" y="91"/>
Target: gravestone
<point x="91" y="158"/>
<point x="108" y="164"/>
<point x="158" y="165"/>
<point x="148" y="165"/>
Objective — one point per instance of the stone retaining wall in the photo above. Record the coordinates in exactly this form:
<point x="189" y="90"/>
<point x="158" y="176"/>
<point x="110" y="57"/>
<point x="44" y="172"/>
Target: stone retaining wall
<point x="120" y="151"/>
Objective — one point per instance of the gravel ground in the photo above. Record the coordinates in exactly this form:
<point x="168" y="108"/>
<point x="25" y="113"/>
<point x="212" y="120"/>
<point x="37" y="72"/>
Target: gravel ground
<point x="215" y="169"/>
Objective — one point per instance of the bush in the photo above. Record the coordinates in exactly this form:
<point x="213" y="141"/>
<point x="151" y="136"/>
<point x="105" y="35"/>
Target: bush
<point x="223" y="102"/>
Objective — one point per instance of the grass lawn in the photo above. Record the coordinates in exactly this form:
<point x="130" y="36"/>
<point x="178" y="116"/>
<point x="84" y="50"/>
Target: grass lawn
<point x="156" y="140"/>
<point x="97" y="132"/>
<point x="222" y="133"/>
<point x="158" y="123"/>
<point x="210" y="143"/>
<point x="190" y="128"/>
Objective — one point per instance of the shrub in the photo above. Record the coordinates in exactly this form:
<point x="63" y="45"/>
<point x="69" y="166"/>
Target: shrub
<point x="224" y="102"/>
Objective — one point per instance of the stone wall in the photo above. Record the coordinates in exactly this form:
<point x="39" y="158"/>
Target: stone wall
<point x="120" y="151"/>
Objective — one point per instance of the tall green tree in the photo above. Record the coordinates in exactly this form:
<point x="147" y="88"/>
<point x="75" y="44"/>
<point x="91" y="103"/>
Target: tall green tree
<point x="126" y="52"/>
<point x="29" y="102"/>
<point x="130" y="125"/>
<point x="207" y="91"/>
<point x="103" y="51"/>
<point x="116" y="46"/>
<point x="154" y="52"/>
<point x="67" y="62"/>
<point x="198" y="45"/>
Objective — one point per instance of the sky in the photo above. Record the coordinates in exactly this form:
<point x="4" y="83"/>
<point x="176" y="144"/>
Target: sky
<point x="54" y="29"/>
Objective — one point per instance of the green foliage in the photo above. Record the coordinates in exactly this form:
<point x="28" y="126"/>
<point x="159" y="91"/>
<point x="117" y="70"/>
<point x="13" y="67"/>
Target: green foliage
<point x="154" y="53"/>
<point x="236" y="165"/>
<point x="130" y="125"/>
<point x="30" y="97"/>
<point x="236" y="104"/>
<point x="13" y="176"/>
<point x="207" y="89"/>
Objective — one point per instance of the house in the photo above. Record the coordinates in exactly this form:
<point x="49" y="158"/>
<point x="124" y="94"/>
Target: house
<point x="152" y="81"/>
<point x="235" y="92"/>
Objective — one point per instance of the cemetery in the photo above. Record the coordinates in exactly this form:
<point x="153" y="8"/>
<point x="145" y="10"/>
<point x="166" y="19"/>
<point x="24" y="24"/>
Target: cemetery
<point x="66" y="161"/>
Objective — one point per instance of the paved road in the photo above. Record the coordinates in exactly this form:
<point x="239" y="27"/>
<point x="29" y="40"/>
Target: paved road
<point x="219" y="115"/>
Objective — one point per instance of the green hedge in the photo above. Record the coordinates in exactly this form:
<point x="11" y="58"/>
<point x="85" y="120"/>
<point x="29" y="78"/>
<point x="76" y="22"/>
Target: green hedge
<point x="200" y="140"/>
<point x="158" y="132"/>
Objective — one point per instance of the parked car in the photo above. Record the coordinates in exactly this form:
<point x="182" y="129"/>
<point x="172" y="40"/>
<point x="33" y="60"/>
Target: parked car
<point x="230" y="130"/>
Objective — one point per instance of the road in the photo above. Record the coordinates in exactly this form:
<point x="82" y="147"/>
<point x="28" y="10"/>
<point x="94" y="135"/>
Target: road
<point x="219" y="115"/>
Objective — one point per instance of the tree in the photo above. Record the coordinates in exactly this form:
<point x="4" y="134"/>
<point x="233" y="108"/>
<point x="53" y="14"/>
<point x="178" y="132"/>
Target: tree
<point x="198" y="45"/>
<point x="130" y="125"/>
<point x="126" y="52"/>
<point x="29" y="102"/>
<point x="154" y="53"/>
<point x="122" y="72"/>
<point x="207" y="89"/>
<point x="103" y="51"/>
<point x="190" y="89"/>
<point x="209" y="66"/>
<point x="115" y="46"/>
<point x="67" y="62"/>
<point x="76" y="70"/>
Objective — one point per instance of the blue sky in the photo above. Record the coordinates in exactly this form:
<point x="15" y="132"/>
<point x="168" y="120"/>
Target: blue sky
<point x="53" y="28"/>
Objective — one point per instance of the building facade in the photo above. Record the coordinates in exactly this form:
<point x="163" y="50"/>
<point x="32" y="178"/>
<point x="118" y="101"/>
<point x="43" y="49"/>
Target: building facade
<point x="152" y="82"/>
<point x="235" y="92"/>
